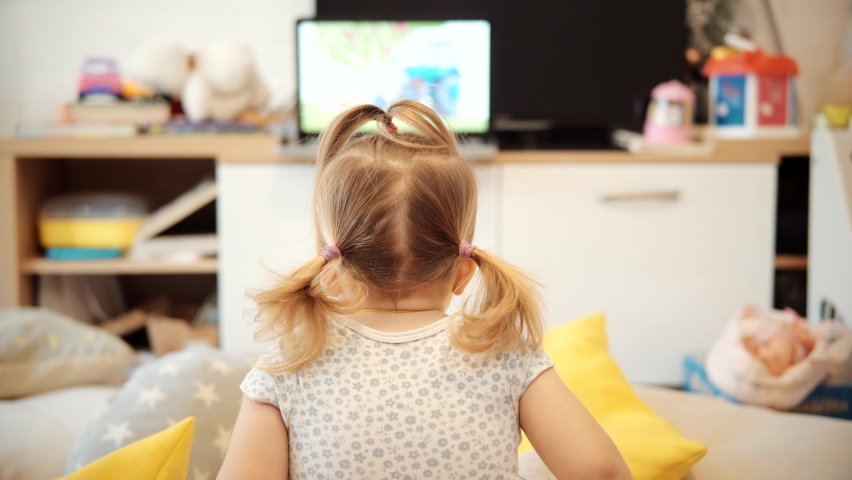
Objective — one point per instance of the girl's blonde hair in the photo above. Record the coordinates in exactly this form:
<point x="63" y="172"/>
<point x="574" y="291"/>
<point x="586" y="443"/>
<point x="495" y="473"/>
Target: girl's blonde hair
<point x="397" y="206"/>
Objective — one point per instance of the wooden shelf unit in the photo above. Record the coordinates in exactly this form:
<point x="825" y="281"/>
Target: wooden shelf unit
<point x="157" y="169"/>
<point x="161" y="167"/>
<point x="121" y="266"/>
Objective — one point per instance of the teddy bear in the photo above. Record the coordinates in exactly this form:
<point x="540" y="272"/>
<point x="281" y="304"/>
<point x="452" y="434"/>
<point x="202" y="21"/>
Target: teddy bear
<point x="219" y="83"/>
<point x="223" y="84"/>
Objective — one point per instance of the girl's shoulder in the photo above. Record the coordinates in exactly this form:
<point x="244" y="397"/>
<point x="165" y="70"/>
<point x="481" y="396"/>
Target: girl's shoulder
<point x="523" y="364"/>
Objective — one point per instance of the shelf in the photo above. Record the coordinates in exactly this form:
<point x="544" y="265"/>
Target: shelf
<point x="259" y="148"/>
<point x="225" y="147"/>
<point x="122" y="266"/>
<point x="791" y="262"/>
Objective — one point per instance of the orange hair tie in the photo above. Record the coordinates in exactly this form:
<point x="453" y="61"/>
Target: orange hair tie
<point x="389" y="125"/>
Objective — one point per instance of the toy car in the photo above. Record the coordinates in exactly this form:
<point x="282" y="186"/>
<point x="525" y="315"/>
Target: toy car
<point x="99" y="76"/>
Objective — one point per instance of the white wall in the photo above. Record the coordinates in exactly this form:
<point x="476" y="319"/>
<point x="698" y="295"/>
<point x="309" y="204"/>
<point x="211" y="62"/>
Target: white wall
<point x="817" y="33"/>
<point x="43" y="42"/>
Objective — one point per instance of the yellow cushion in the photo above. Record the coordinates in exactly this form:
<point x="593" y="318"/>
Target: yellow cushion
<point x="162" y="456"/>
<point x="652" y="447"/>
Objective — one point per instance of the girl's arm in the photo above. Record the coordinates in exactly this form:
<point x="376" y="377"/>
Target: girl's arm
<point x="565" y="435"/>
<point x="259" y="447"/>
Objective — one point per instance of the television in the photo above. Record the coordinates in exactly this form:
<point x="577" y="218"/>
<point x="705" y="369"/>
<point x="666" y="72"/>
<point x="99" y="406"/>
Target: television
<point x="559" y="64"/>
<point x="445" y="64"/>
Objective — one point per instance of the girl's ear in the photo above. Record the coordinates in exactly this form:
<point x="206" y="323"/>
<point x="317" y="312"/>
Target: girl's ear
<point x="464" y="273"/>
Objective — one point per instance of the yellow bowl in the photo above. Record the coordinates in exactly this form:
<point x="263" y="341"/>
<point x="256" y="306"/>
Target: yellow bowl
<point x="88" y="232"/>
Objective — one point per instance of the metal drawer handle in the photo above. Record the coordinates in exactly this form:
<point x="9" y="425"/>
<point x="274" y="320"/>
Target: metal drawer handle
<point x="672" y="195"/>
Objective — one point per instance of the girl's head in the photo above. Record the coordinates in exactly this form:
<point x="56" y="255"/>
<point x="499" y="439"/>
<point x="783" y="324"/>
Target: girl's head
<point x="397" y="207"/>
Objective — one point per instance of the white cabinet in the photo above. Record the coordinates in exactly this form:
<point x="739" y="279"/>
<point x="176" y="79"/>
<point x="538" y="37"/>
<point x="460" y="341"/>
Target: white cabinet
<point x="265" y="226"/>
<point x="830" y="229"/>
<point x="667" y="252"/>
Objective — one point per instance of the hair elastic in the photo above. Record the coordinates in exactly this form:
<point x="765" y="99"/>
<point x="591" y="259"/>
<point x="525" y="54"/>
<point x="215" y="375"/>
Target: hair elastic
<point x="330" y="252"/>
<point x="466" y="249"/>
<point x="389" y="124"/>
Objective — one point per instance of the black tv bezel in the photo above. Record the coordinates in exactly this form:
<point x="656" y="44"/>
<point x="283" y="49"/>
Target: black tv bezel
<point x="486" y="134"/>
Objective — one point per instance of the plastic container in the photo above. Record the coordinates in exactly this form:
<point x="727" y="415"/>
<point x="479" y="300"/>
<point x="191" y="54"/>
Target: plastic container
<point x="91" y="221"/>
<point x="669" y="117"/>
<point x="752" y="94"/>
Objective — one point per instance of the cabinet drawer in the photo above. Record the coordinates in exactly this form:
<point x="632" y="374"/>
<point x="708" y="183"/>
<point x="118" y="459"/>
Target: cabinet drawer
<point x="668" y="252"/>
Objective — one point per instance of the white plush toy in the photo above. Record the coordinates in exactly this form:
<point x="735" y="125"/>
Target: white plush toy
<point x="223" y="84"/>
<point x="161" y="66"/>
<point x="735" y="370"/>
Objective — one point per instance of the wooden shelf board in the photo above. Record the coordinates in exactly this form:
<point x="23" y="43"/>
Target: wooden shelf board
<point x="122" y="266"/>
<point x="260" y="148"/>
<point x="791" y="262"/>
<point x="225" y="147"/>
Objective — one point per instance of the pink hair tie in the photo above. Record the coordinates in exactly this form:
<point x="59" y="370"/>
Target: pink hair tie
<point x="466" y="250"/>
<point x="330" y="252"/>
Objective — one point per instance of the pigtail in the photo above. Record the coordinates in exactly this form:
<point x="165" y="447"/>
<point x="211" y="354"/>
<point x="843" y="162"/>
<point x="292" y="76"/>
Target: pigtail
<point x="504" y="312"/>
<point x="295" y="315"/>
<point x="426" y="122"/>
<point x="342" y="128"/>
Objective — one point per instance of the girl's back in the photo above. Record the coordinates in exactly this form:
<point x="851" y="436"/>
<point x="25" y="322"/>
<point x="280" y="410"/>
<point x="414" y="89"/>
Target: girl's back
<point x="401" y="405"/>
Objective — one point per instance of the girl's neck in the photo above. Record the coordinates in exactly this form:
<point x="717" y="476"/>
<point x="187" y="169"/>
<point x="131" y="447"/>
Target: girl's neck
<point x="409" y="313"/>
<point x="393" y="322"/>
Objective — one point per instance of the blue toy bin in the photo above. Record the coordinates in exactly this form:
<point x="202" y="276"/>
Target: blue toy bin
<point x="826" y="400"/>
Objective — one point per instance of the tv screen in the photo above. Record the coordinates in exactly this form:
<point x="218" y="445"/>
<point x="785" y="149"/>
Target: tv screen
<point x="572" y="62"/>
<point x="445" y="64"/>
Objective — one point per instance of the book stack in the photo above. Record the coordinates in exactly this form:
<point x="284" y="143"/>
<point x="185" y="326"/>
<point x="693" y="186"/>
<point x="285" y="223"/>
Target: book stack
<point x="635" y="143"/>
<point x="100" y="119"/>
<point x="126" y="113"/>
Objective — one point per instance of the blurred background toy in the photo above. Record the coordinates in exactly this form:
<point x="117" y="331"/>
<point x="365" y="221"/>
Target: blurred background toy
<point x="99" y="77"/>
<point x="90" y="226"/>
<point x="837" y="98"/>
<point x="751" y="94"/>
<point x="223" y="85"/>
<point x="670" y="113"/>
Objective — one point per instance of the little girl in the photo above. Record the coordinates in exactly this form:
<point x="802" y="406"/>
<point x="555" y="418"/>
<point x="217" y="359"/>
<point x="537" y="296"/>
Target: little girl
<point x="368" y="377"/>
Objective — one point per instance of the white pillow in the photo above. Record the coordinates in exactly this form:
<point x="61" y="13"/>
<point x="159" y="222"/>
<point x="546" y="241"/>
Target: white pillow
<point x="40" y="431"/>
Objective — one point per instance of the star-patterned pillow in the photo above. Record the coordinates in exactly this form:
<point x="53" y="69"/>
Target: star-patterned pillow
<point x="199" y="381"/>
<point x="41" y="350"/>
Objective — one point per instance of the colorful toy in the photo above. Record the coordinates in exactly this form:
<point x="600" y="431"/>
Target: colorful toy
<point x="773" y="358"/>
<point x="827" y="399"/>
<point x="100" y="221"/>
<point x="669" y="118"/>
<point x="99" y="76"/>
<point x="752" y="94"/>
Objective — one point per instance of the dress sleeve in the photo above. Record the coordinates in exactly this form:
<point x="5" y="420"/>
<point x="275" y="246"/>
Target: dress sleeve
<point x="536" y="362"/>
<point x="263" y="387"/>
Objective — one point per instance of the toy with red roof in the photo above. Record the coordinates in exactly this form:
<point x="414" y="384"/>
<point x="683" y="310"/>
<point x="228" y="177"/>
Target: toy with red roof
<point x="752" y="94"/>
